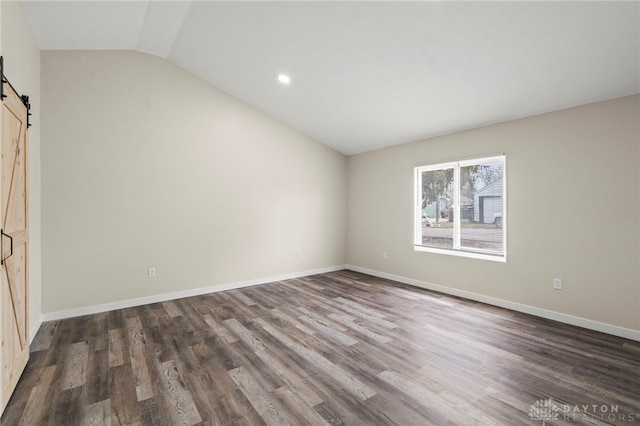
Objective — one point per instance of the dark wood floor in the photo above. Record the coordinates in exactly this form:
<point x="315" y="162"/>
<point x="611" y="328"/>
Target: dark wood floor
<point x="337" y="348"/>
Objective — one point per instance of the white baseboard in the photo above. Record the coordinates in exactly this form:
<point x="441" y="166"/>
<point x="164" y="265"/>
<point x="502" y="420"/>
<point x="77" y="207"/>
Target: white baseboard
<point x="34" y="329"/>
<point x="52" y="316"/>
<point x="614" y="330"/>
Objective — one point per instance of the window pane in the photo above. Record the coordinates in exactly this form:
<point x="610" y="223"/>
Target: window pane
<point x="481" y="205"/>
<point x="437" y="208"/>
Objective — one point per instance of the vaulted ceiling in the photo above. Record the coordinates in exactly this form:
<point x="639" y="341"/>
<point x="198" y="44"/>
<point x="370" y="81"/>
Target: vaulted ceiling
<point x="365" y="75"/>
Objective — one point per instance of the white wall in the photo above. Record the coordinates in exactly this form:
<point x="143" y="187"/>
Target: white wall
<point x="564" y="169"/>
<point x="22" y="67"/>
<point x="145" y="165"/>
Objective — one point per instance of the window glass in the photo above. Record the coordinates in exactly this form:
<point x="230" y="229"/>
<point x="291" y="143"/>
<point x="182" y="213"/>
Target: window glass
<point x="481" y="200"/>
<point x="437" y="204"/>
<point x="460" y="208"/>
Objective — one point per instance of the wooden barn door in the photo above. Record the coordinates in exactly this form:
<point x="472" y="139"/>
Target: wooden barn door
<point x="14" y="313"/>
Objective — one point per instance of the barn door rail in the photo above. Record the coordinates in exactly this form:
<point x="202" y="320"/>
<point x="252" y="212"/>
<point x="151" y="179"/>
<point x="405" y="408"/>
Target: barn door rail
<point x="24" y="98"/>
<point x="2" y="235"/>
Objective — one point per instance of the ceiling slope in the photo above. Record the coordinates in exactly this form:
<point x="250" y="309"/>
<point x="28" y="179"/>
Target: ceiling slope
<point x="366" y="75"/>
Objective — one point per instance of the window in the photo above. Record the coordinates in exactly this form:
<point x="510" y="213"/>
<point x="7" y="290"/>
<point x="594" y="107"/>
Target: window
<point x="460" y="208"/>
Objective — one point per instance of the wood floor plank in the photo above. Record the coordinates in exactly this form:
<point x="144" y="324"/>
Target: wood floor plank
<point x="206" y="395"/>
<point x="271" y="411"/>
<point x="98" y="336"/>
<point x="138" y="360"/>
<point x="301" y="409"/>
<point x="68" y="407"/>
<point x="98" y="376"/>
<point x="322" y="318"/>
<point x="124" y="407"/>
<point x="35" y="412"/>
<point x="396" y="411"/>
<point x="327" y="330"/>
<point x="245" y="335"/>
<point x="224" y="333"/>
<point x="172" y="309"/>
<point x="243" y="412"/>
<point x="116" y="347"/>
<point x="98" y="414"/>
<point x="242" y="297"/>
<point x="75" y="366"/>
<point x="362" y="330"/>
<point x="44" y="337"/>
<point x="179" y="398"/>
<point x="350" y="383"/>
<point x="406" y="385"/>
<point x="237" y="308"/>
<point x="294" y="381"/>
<point x="290" y="318"/>
<point x="341" y="348"/>
<point x="370" y="313"/>
<point x="374" y="319"/>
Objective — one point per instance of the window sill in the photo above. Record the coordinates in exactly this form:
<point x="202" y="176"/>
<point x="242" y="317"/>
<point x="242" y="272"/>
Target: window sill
<point x="460" y="253"/>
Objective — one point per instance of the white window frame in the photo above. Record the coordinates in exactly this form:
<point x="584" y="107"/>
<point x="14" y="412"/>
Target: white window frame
<point x="457" y="249"/>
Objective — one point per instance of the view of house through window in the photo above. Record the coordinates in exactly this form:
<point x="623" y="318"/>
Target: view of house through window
<point x="460" y="207"/>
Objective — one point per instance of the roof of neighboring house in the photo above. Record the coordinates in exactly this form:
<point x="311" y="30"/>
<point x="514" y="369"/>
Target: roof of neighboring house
<point x="492" y="187"/>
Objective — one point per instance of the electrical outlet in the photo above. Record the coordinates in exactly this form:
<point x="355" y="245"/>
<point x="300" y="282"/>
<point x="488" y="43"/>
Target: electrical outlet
<point x="384" y="255"/>
<point x="152" y="272"/>
<point x="557" y="283"/>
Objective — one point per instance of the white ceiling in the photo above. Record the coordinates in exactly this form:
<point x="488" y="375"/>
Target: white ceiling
<point x="366" y="75"/>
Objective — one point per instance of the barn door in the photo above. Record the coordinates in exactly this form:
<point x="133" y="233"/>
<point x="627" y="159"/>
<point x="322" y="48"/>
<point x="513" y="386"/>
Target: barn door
<point x="13" y="242"/>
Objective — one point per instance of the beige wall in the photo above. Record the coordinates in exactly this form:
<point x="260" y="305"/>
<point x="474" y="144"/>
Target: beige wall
<point x="573" y="206"/>
<point x="145" y="165"/>
<point x="22" y="67"/>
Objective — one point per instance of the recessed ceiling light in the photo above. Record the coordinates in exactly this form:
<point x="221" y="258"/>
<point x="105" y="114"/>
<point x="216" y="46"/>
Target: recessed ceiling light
<point x="284" y="79"/>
